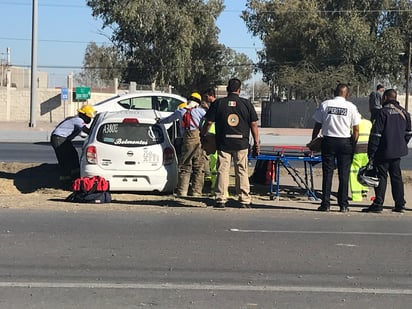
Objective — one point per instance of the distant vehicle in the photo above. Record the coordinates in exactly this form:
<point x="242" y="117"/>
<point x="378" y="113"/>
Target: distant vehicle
<point x="156" y="100"/>
<point x="132" y="151"/>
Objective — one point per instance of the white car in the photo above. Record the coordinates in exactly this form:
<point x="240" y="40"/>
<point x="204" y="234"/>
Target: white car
<point x="132" y="151"/>
<point x="154" y="100"/>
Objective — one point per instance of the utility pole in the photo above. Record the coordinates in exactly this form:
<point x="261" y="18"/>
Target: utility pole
<point x="33" y="86"/>
<point x="408" y="77"/>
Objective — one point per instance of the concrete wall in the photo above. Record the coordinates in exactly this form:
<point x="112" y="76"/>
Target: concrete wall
<point x="21" y="77"/>
<point x="15" y="104"/>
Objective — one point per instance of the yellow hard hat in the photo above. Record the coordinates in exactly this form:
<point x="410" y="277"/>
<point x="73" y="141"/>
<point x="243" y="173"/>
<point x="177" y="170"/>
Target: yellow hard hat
<point x="88" y="110"/>
<point x="195" y="96"/>
<point x="182" y="105"/>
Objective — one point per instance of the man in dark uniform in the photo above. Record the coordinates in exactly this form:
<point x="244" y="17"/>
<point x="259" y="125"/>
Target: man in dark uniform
<point x="375" y="101"/>
<point x="388" y="142"/>
<point x="234" y="119"/>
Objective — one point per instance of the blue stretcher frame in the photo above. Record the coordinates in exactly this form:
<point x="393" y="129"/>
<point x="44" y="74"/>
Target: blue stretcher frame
<point x="282" y="156"/>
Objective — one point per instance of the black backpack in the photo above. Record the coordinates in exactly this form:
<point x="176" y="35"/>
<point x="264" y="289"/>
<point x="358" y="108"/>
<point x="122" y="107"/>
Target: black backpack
<point x="263" y="172"/>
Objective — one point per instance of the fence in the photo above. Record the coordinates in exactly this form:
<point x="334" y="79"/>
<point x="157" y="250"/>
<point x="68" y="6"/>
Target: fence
<point x="298" y="113"/>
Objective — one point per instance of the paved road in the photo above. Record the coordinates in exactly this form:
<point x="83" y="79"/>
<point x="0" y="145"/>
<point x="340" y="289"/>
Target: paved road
<point x="204" y="258"/>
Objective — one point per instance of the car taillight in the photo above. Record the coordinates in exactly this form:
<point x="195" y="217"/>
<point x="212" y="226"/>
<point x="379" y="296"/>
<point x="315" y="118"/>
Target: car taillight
<point x="91" y="155"/>
<point x="168" y="156"/>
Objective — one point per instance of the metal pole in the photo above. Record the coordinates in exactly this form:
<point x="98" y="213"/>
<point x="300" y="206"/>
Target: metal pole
<point x="1" y="66"/>
<point x="253" y="91"/>
<point x="33" y="86"/>
<point x="408" y="77"/>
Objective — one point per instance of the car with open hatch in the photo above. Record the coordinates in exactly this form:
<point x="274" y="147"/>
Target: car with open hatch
<point x="132" y="151"/>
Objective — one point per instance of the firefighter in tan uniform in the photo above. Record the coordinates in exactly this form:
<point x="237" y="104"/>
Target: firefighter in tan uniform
<point x="191" y="166"/>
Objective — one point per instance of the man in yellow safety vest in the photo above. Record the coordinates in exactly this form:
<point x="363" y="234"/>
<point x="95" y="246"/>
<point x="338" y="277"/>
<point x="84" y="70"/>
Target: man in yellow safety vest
<point x="360" y="159"/>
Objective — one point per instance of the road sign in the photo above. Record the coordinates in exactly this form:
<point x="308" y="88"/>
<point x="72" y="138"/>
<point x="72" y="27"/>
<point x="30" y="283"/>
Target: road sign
<point x="65" y="94"/>
<point x="82" y="93"/>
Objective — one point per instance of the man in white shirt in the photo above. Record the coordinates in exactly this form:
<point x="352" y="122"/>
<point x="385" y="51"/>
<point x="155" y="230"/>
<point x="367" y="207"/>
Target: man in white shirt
<point x="339" y="121"/>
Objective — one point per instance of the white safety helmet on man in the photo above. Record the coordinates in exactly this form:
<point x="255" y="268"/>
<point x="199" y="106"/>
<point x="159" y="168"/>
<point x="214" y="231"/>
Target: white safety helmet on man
<point x="367" y="176"/>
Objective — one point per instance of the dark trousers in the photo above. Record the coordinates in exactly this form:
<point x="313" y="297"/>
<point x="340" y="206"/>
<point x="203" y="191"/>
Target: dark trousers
<point x="393" y="167"/>
<point x="67" y="157"/>
<point x="339" y="150"/>
<point x="374" y="113"/>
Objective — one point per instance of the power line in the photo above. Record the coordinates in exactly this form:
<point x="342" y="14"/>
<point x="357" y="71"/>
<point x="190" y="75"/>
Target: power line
<point x="53" y="41"/>
<point x="44" y="5"/>
<point x="118" y="68"/>
<point x="344" y="11"/>
<point x="225" y="11"/>
<point x="87" y="42"/>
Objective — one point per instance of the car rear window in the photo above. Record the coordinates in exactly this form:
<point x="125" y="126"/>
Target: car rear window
<point x="162" y="103"/>
<point x="130" y="134"/>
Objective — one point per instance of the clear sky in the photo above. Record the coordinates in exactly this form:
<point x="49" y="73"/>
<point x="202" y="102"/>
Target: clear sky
<point x="66" y="27"/>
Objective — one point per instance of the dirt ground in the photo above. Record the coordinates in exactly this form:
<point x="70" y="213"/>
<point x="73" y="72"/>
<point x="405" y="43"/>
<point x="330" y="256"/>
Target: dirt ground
<point x="36" y="186"/>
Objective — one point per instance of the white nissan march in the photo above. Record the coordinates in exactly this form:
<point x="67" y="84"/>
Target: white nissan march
<point x="132" y="151"/>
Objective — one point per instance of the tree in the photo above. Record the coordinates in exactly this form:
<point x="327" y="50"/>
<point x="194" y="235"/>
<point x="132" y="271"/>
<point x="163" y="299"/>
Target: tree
<point x="101" y="65"/>
<point x="235" y="65"/>
<point x="166" y="42"/>
<point x="310" y="45"/>
<point x="257" y="90"/>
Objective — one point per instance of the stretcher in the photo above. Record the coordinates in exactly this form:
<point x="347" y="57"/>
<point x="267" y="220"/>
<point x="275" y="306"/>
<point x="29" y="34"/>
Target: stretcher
<point x="284" y="156"/>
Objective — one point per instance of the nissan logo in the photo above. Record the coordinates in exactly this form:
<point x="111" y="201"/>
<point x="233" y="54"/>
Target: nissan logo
<point x="130" y="153"/>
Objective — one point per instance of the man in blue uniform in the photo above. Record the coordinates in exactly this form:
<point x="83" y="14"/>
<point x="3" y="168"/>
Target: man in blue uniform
<point x="388" y="142"/>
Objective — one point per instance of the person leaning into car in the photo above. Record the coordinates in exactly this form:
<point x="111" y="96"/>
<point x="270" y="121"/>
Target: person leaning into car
<point x="61" y="141"/>
<point x="388" y="142"/>
<point x="191" y="165"/>
<point x="339" y="120"/>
